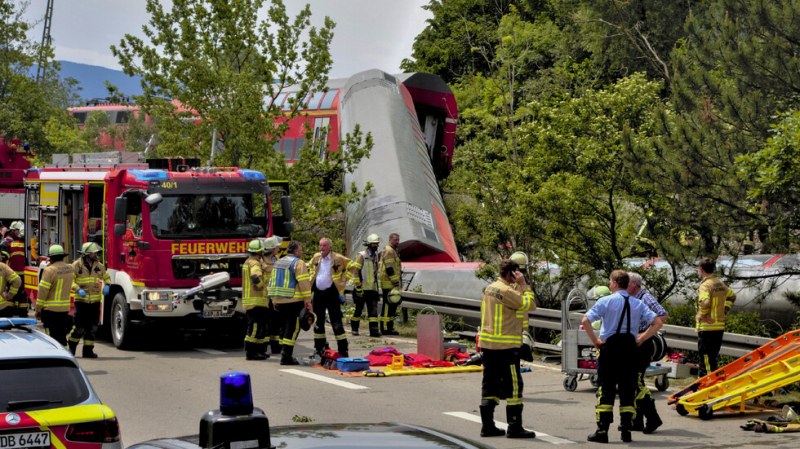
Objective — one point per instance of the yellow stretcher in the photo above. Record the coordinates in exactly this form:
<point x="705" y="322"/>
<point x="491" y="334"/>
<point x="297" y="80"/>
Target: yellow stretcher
<point x="418" y="371"/>
<point x="741" y="388"/>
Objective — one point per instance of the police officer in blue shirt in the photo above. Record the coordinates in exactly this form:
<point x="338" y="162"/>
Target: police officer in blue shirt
<point x="619" y="338"/>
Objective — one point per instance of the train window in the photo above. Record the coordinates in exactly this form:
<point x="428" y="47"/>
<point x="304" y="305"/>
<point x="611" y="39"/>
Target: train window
<point x="287" y="104"/>
<point x="327" y="102"/>
<point x="320" y="142"/>
<point x="299" y="143"/>
<point x="122" y="117"/>
<point x="80" y="117"/>
<point x="287" y="145"/>
<point x="313" y="103"/>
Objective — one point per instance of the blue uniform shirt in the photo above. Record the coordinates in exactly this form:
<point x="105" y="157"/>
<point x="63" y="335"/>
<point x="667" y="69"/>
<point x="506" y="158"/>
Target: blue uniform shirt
<point x="609" y="310"/>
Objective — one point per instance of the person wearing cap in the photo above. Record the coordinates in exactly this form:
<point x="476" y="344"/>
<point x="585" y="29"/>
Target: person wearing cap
<point x="619" y="337"/>
<point x="329" y="274"/>
<point x="364" y="274"/>
<point x="290" y="292"/>
<point x="53" y="298"/>
<point x="504" y="311"/>
<point x="644" y="402"/>
<point x="254" y="301"/>
<point x="10" y="283"/>
<point x="389" y="271"/>
<point x="92" y="281"/>
<point x="14" y="244"/>
<point x="272" y="246"/>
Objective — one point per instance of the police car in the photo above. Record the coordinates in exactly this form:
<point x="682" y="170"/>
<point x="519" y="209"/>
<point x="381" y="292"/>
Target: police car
<point x="46" y="400"/>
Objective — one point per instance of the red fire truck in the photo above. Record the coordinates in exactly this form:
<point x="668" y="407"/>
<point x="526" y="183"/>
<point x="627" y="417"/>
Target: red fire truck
<point x="174" y="235"/>
<point x="13" y="163"/>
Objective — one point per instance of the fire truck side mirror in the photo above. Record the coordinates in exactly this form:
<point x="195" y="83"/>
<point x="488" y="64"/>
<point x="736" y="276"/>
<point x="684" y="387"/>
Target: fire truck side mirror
<point x="286" y="208"/>
<point x="120" y="210"/>
<point x="153" y="200"/>
<point x="119" y="229"/>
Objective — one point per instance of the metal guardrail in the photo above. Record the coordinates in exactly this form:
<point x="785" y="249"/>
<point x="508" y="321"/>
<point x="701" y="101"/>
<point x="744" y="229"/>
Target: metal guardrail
<point x="677" y="337"/>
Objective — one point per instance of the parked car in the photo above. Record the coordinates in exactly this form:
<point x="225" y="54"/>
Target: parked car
<point x="46" y="400"/>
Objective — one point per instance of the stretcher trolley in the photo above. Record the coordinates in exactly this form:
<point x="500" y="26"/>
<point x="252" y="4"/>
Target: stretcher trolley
<point x="578" y="354"/>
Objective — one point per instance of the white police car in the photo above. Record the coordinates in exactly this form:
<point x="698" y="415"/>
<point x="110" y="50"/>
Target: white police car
<point x="46" y="400"/>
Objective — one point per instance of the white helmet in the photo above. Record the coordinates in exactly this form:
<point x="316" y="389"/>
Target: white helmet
<point x="18" y="225"/>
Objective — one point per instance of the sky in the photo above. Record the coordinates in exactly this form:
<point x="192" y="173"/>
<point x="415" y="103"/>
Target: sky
<point x="369" y="34"/>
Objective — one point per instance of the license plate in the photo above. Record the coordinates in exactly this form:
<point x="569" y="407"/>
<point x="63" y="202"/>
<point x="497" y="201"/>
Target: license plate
<point x="214" y="312"/>
<point x="24" y="440"/>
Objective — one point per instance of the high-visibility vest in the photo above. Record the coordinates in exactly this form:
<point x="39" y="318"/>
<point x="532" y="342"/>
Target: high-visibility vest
<point x="282" y="280"/>
<point x="89" y="279"/>
<point x="367" y="268"/>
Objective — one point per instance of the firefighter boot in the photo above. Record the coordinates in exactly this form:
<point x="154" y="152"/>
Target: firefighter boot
<point x="341" y="346"/>
<point x="653" y="420"/>
<point x="354" y="327"/>
<point x="488" y="428"/>
<point x="73" y="345"/>
<point x="638" y="420"/>
<point x="286" y="356"/>
<point x="373" y="330"/>
<point x="515" y="429"/>
<point x="625" y="425"/>
<point x="600" y="435"/>
<point x="275" y="347"/>
<point x="88" y="352"/>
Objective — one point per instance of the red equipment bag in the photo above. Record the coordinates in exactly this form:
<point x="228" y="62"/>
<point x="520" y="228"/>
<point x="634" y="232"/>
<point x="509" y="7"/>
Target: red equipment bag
<point x="329" y="358"/>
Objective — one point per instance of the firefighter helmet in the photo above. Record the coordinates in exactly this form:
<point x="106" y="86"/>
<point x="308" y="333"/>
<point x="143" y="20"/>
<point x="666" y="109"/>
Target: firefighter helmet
<point x="255" y="246"/>
<point x="90" y="247"/>
<point x="372" y="238"/>
<point x="307" y="318"/>
<point x="272" y="242"/>
<point x="599" y="291"/>
<point x="56" y="250"/>
<point x="394" y="296"/>
<point x="520" y="258"/>
<point x="17" y="225"/>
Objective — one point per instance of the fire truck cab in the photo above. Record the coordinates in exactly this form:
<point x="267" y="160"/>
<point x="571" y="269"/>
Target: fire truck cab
<point x="174" y="235"/>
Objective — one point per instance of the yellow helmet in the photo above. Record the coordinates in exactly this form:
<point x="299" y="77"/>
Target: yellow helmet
<point x="255" y="246"/>
<point x="520" y="258"/>
<point x="90" y="247"/>
<point x="56" y="250"/>
<point x="372" y="238"/>
<point x="394" y="296"/>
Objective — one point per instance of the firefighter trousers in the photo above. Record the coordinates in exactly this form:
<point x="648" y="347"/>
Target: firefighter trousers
<point x="708" y="345"/>
<point x="388" y="312"/>
<point x="501" y="377"/>
<point x="328" y="301"/>
<point x="87" y="319"/>
<point x="289" y="314"/>
<point x="57" y="325"/>
<point x="370" y="299"/>
<point x="255" y="340"/>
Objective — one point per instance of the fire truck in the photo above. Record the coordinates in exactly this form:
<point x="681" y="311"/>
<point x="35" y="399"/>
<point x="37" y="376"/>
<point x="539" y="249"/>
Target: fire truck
<point x="13" y="163"/>
<point x="174" y="235"/>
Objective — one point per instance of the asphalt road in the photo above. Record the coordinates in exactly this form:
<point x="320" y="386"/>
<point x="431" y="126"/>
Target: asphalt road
<point x="163" y="388"/>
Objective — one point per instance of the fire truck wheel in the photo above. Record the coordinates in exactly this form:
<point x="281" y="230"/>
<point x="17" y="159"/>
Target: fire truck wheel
<point x="120" y="322"/>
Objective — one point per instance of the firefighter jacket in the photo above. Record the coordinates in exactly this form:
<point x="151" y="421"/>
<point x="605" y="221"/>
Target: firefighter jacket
<point x="339" y="269"/>
<point x="254" y="283"/>
<point x="364" y="271"/>
<point x="289" y="281"/>
<point x="89" y="279"/>
<point x="714" y="300"/>
<point x="504" y="315"/>
<point x="55" y="287"/>
<point x="10" y="279"/>
<point x="16" y="251"/>
<point x="389" y="268"/>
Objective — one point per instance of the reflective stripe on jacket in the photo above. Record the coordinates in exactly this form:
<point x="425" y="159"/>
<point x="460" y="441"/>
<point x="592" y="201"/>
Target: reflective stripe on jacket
<point x="339" y="266"/>
<point x="365" y="271"/>
<point x="289" y="281"/>
<point x="389" y="268"/>
<point x="714" y="300"/>
<point x="89" y="279"/>
<point x="254" y="294"/>
<point x="504" y="315"/>
<point x="11" y="279"/>
<point x="55" y="287"/>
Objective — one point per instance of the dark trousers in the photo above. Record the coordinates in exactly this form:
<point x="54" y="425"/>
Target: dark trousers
<point x="255" y="340"/>
<point x="57" y="325"/>
<point x="274" y="328"/>
<point x="617" y="371"/>
<point x="328" y="301"/>
<point x="290" y="322"/>
<point x="388" y="312"/>
<point x="87" y="318"/>
<point x="8" y="312"/>
<point x="19" y="302"/>
<point x="370" y="298"/>
<point x="708" y="345"/>
<point x="501" y="377"/>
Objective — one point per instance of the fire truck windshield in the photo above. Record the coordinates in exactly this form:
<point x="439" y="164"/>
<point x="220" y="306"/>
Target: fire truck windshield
<point x="201" y="216"/>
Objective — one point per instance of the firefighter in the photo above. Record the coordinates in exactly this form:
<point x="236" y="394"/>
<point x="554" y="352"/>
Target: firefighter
<point x="389" y="269"/>
<point x="364" y="273"/>
<point x="55" y="287"/>
<point x="329" y="271"/>
<point x="272" y="247"/>
<point x="504" y="311"/>
<point x="14" y="244"/>
<point x="619" y="339"/>
<point x="9" y="279"/>
<point x="254" y="300"/>
<point x="290" y="292"/>
<point x="714" y="301"/>
<point x="644" y="402"/>
<point x="92" y="281"/>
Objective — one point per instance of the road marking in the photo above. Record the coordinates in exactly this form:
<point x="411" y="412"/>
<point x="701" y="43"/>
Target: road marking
<point x="210" y="351"/>
<point x="339" y="383"/>
<point x="539" y="435"/>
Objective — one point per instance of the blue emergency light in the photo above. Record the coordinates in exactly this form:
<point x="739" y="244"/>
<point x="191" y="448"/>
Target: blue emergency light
<point x="252" y="175"/>
<point x="9" y="323"/>
<point x="235" y="395"/>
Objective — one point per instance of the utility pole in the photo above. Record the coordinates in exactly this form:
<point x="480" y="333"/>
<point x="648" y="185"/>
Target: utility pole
<point x="46" y="41"/>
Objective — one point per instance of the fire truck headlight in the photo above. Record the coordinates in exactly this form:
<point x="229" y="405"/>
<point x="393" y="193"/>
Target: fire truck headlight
<point x="158" y="300"/>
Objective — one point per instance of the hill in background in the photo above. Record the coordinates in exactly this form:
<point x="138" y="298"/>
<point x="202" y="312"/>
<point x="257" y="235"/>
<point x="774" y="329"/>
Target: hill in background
<point x="91" y="80"/>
